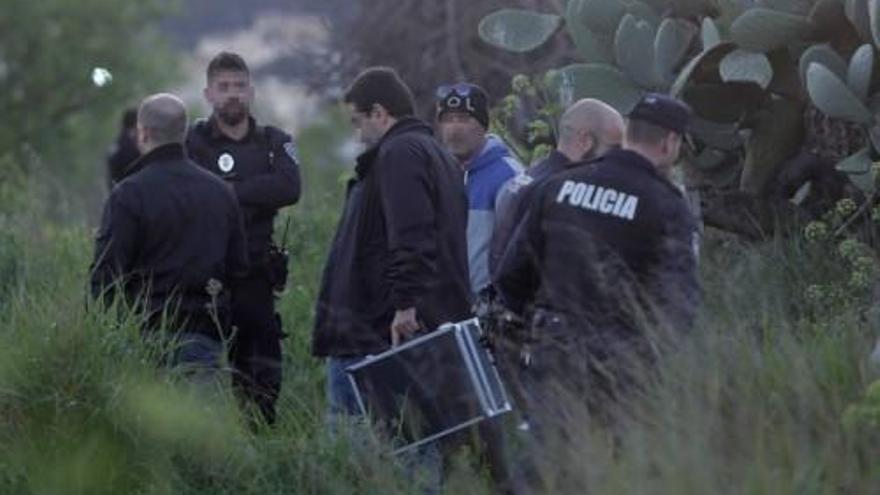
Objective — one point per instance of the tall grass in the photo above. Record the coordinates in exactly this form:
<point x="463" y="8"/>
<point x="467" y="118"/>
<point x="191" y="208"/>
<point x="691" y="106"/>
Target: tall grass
<point x="752" y="402"/>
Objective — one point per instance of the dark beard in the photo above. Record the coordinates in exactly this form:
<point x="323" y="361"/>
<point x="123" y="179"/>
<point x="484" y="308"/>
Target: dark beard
<point x="232" y="114"/>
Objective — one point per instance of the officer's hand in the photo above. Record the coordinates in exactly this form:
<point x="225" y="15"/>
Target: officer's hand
<point x="403" y="326"/>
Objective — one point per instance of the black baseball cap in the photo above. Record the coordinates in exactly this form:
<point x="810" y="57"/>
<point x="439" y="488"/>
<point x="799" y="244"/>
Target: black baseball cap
<point x="663" y="110"/>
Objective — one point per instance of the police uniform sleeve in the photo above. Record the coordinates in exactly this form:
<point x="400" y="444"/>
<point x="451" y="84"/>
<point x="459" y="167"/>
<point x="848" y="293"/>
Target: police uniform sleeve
<point x="116" y="242"/>
<point x="279" y="187"/>
<point x="508" y="214"/>
<point x="518" y="273"/>
<point x="674" y="280"/>
<point x="410" y="220"/>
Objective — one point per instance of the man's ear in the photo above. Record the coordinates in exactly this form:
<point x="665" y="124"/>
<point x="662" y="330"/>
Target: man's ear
<point x="669" y="143"/>
<point x="140" y="137"/>
<point x="589" y="142"/>
<point x="379" y="111"/>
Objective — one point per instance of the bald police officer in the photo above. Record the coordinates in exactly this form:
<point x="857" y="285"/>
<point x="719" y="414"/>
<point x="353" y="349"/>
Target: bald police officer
<point x="605" y="255"/>
<point x="171" y="238"/>
<point x="587" y="129"/>
<point x="260" y="165"/>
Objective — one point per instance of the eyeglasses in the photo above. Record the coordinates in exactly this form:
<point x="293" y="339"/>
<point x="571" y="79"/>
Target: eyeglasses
<point x="461" y="89"/>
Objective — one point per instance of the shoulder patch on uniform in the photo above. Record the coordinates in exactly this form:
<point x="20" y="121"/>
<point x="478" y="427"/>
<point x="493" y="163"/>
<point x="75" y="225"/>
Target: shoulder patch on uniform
<point x="291" y="151"/>
<point x="520" y="181"/>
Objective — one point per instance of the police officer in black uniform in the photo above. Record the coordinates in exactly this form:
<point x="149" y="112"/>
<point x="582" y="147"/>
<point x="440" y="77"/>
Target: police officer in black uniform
<point x="172" y="239"/>
<point x="260" y="164"/>
<point x="605" y="257"/>
<point x="587" y="129"/>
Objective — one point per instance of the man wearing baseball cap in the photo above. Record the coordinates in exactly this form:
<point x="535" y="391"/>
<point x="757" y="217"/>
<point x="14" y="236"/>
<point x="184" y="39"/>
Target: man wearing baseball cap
<point x="605" y="258"/>
<point x="463" y="123"/>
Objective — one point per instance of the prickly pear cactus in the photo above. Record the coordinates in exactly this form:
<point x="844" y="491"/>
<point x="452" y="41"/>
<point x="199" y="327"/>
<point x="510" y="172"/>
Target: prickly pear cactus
<point x="767" y="79"/>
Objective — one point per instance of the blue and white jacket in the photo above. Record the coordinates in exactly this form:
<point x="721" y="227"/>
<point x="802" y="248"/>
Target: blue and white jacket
<point x="485" y="174"/>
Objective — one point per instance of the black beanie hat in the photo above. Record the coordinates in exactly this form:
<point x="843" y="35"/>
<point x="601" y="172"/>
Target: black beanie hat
<point x="465" y="98"/>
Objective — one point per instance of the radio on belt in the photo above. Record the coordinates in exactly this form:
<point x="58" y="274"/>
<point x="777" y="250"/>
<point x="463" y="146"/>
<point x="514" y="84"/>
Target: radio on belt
<point x="431" y="386"/>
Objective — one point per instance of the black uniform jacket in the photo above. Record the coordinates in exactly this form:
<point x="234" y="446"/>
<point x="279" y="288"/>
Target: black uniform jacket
<point x="262" y="169"/>
<point x="400" y="243"/>
<point x="606" y="244"/>
<point x="515" y="198"/>
<point x="166" y="231"/>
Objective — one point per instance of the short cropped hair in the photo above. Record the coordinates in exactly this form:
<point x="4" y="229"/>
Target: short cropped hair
<point x="644" y="132"/>
<point x="164" y="115"/>
<point x="226" y="62"/>
<point x="382" y="86"/>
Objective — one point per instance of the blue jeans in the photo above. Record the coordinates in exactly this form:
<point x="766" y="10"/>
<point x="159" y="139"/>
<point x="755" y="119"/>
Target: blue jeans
<point x="341" y="399"/>
<point x="198" y="356"/>
<point x="343" y="407"/>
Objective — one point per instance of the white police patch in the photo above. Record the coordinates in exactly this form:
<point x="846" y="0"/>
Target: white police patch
<point x="599" y="199"/>
<point x="226" y="163"/>
<point x="290" y="149"/>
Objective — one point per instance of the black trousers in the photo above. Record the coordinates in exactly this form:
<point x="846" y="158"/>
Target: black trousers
<point x="255" y="351"/>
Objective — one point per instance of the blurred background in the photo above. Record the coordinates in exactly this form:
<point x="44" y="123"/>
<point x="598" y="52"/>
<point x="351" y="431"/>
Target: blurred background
<point x="67" y="71"/>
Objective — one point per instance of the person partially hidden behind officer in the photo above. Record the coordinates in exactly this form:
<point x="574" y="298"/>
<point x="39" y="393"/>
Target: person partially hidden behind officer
<point x="259" y="163"/>
<point x="171" y="242"/>
<point x="605" y="258"/>
<point x="124" y="151"/>
<point x="462" y="112"/>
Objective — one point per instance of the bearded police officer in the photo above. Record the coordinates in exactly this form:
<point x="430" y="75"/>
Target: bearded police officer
<point x="259" y="163"/>
<point x="606" y="257"/>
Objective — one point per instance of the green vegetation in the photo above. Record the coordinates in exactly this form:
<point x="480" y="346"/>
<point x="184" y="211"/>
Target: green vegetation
<point x="58" y="111"/>
<point x="772" y="393"/>
<point x="767" y="396"/>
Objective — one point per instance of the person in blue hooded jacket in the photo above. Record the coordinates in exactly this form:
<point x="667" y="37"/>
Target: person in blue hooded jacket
<point x="463" y="123"/>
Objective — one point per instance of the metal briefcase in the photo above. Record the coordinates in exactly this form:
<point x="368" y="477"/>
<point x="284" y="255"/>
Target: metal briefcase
<point x="431" y="386"/>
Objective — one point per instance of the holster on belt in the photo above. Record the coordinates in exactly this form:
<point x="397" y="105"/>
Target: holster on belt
<point x="277" y="267"/>
<point x="544" y="322"/>
<point x="496" y="320"/>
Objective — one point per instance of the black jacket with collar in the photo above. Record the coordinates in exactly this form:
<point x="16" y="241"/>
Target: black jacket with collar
<point x="166" y="230"/>
<point x="400" y="243"/>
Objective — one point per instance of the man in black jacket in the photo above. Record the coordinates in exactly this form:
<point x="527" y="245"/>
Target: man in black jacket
<point x="606" y="256"/>
<point x="260" y="165"/>
<point x="398" y="263"/>
<point x="171" y="239"/>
